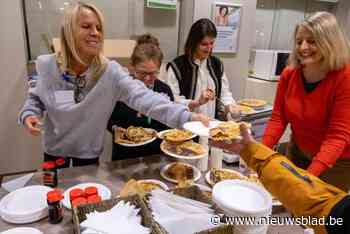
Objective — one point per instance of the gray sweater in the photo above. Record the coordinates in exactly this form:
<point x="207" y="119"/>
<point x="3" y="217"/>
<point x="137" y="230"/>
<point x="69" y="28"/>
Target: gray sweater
<point x="77" y="129"/>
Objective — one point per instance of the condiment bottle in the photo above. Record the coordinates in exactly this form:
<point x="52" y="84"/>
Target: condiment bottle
<point x="55" y="207"/>
<point x="49" y="174"/>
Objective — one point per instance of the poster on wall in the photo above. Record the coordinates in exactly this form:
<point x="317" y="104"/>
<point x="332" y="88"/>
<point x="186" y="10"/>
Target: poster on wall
<point x="162" y="4"/>
<point x="227" y="18"/>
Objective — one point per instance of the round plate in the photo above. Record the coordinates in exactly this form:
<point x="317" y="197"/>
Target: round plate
<point x="15" y="208"/>
<point x="198" y="128"/>
<point x="103" y="191"/>
<point x="140" y="143"/>
<point x="209" y="181"/>
<point x="163" y="148"/>
<point x="160" y="134"/>
<point x="158" y="182"/>
<point x="196" y="173"/>
<point x="22" y="230"/>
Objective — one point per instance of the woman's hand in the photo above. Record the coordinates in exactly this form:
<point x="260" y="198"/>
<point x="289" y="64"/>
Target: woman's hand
<point x="206" y="96"/>
<point x="202" y="118"/>
<point x="235" y="146"/>
<point x="232" y="111"/>
<point x="32" y="122"/>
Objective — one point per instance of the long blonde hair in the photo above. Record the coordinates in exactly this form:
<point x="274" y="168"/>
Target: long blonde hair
<point x="69" y="52"/>
<point x="329" y="39"/>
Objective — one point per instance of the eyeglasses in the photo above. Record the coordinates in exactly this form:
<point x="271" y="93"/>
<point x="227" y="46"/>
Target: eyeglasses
<point x="80" y="83"/>
<point x="143" y="74"/>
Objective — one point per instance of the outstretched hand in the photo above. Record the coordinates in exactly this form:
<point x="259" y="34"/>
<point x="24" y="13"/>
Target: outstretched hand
<point x="202" y="118"/>
<point x="237" y="145"/>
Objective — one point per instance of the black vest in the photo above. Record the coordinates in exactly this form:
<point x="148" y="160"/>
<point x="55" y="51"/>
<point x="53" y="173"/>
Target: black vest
<point x="186" y="72"/>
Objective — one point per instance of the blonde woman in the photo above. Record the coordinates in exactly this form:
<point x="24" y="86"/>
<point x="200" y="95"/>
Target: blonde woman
<point x="313" y="96"/>
<point x="77" y="91"/>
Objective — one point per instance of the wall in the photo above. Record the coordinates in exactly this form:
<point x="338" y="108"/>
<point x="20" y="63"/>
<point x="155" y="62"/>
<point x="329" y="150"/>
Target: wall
<point x="236" y="65"/>
<point x="342" y="12"/>
<point x="276" y="20"/>
<point x="123" y="19"/>
<point x="18" y="151"/>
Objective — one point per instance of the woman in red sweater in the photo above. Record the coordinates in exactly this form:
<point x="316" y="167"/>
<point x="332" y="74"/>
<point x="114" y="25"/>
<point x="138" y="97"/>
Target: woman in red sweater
<point x="313" y="96"/>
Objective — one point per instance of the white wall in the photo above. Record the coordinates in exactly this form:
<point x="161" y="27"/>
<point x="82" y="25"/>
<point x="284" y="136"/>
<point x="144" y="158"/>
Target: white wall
<point x="236" y="65"/>
<point x="18" y="151"/>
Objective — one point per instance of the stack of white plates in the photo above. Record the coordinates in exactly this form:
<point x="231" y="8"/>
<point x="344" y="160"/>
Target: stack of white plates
<point x="25" y="205"/>
<point x="22" y="230"/>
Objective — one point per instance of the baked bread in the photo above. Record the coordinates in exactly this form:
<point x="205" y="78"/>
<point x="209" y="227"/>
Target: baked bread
<point x="180" y="172"/>
<point x="177" y="135"/>
<point x="252" y="102"/>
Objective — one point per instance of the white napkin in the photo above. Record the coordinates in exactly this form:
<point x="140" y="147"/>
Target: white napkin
<point x="17" y="183"/>
<point x="122" y="217"/>
<point x="179" y="215"/>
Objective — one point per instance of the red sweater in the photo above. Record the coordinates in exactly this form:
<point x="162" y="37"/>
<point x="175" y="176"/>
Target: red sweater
<point x="320" y="119"/>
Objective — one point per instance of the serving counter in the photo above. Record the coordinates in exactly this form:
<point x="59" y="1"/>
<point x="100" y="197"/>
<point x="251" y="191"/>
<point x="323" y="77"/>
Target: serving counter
<point x="113" y="175"/>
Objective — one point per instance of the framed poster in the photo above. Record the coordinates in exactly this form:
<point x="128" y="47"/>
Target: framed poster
<point x="227" y="19"/>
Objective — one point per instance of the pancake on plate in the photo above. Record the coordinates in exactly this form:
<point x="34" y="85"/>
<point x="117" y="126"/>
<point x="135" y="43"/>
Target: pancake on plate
<point x="177" y="135"/>
<point x="226" y="131"/>
<point x="187" y="148"/>
<point x="217" y="175"/>
<point x="252" y="102"/>
<point x="134" y="135"/>
<point x="180" y="172"/>
<point x="245" y="110"/>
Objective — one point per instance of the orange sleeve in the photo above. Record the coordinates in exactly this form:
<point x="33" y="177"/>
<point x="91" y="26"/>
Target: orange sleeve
<point x="338" y="132"/>
<point x="277" y="122"/>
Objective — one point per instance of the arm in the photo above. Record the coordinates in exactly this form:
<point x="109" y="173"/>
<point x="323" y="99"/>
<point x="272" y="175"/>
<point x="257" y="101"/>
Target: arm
<point x="309" y="195"/>
<point x="32" y="110"/>
<point x="338" y="132"/>
<point x="277" y="122"/>
<point x="192" y="104"/>
<point x="137" y="96"/>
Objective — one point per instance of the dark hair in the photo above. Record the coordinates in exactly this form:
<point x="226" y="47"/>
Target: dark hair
<point x="223" y="7"/>
<point x="147" y="48"/>
<point x="200" y="29"/>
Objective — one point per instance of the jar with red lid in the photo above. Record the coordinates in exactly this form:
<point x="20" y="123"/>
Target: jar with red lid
<point x="49" y="174"/>
<point x="55" y="206"/>
<point x="78" y="201"/>
<point x="94" y="199"/>
<point x="91" y="190"/>
<point x="60" y="162"/>
<point x="76" y="193"/>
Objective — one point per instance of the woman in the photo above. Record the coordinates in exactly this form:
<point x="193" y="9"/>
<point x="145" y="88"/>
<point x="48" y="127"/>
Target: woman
<point x="222" y="18"/>
<point x="197" y="78"/>
<point x="77" y="91"/>
<point x="144" y="66"/>
<point x="313" y="96"/>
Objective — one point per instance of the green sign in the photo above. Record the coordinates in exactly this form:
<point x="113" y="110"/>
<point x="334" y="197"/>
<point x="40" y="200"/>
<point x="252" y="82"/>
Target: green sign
<point x="162" y="4"/>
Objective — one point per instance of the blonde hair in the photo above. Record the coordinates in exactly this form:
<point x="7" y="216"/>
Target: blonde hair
<point x="147" y="48"/>
<point x="329" y="39"/>
<point x="69" y="52"/>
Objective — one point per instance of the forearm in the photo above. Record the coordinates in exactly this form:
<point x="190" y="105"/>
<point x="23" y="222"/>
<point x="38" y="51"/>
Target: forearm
<point x="152" y="104"/>
<point x="299" y="191"/>
<point x="32" y="106"/>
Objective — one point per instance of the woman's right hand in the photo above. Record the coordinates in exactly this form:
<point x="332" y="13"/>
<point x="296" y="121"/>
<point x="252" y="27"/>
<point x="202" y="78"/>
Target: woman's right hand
<point x="32" y="122"/>
<point x="206" y="96"/>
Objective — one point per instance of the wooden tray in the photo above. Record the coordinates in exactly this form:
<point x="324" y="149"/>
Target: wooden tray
<point x="79" y="213"/>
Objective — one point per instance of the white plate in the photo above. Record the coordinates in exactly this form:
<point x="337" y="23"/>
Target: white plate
<point x="103" y="191"/>
<point x="196" y="173"/>
<point x="198" y="128"/>
<point x="158" y="182"/>
<point x="14" y="207"/>
<point x="141" y="143"/>
<point x="209" y="181"/>
<point x="162" y="147"/>
<point x="160" y="134"/>
<point x="22" y="230"/>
